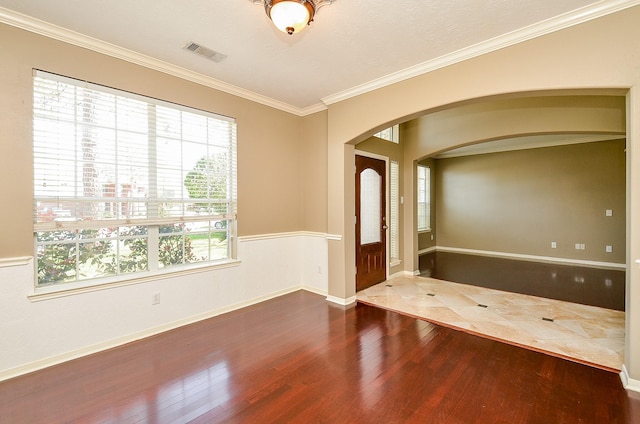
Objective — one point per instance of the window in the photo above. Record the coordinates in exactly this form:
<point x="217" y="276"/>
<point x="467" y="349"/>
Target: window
<point x="424" y="198"/>
<point x="126" y="185"/>
<point x="394" y="222"/>
<point x="391" y="134"/>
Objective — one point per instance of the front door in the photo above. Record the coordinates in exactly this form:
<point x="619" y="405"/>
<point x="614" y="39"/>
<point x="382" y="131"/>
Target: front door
<point x="371" y="226"/>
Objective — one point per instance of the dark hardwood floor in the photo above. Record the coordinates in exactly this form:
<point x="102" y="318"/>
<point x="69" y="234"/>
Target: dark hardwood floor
<point x="578" y="284"/>
<point x="301" y="359"/>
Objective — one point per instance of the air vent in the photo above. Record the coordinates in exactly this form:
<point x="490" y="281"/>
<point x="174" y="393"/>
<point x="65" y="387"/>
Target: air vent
<point x="205" y="52"/>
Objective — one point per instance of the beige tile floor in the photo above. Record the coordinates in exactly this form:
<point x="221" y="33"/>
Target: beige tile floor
<point x="585" y="334"/>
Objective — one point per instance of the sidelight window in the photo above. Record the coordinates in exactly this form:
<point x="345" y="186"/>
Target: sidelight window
<point x="394" y="206"/>
<point x="424" y="198"/>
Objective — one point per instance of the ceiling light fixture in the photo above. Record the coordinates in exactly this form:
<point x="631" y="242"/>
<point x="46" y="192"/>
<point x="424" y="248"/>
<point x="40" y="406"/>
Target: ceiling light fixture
<point x="292" y="16"/>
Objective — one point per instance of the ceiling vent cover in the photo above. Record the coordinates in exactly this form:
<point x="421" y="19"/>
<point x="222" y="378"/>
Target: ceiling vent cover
<point x="205" y="52"/>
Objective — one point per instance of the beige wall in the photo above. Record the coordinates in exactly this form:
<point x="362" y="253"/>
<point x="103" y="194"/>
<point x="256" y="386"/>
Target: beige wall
<point x="521" y="201"/>
<point x="314" y="172"/>
<point x="530" y="114"/>
<point x="278" y="193"/>
<point x="599" y="54"/>
<point x="381" y="147"/>
<point x="510" y="117"/>
<point x="270" y="172"/>
<point x="496" y="118"/>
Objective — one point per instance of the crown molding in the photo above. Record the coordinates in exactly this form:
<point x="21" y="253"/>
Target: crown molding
<point x="557" y="23"/>
<point x="318" y="107"/>
<point x="566" y="20"/>
<point x="55" y="32"/>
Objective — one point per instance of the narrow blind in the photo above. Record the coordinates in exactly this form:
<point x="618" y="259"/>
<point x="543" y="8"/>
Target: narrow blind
<point x="424" y="198"/>
<point x="394" y="206"/>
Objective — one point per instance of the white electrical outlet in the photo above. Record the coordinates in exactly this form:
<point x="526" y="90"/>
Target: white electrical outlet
<point x="608" y="212"/>
<point x="608" y="249"/>
<point x="155" y="298"/>
<point x="554" y="244"/>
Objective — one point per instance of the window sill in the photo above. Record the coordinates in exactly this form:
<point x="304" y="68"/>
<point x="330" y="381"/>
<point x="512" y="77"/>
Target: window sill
<point x="428" y="230"/>
<point x="70" y="289"/>
<point x="395" y="262"/>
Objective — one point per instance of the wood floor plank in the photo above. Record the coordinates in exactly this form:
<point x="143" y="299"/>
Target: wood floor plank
<point x="600" y="287"/>
<point x="300" y="359"/>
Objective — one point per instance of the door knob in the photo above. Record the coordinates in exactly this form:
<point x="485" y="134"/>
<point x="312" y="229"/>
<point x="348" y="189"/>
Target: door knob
<point x="384" y="227"/>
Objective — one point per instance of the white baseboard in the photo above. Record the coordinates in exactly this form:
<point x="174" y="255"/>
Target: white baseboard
<point x="402" y="274"/>
<point x="314" y="290"/>
<point x="534" y="258"/>
<point x="629" y="383"/>
<point x="341" y="301"/>
<point x="58" y="359"/>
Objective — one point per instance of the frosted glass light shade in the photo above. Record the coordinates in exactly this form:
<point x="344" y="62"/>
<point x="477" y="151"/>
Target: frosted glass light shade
<point x="290" y="16"/>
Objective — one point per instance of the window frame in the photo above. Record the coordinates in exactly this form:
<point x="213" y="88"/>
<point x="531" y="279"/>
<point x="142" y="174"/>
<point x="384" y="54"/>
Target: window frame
<point x="152" y="221"/>
<point x="390" y="134"/>
<point x="423" y="216"/>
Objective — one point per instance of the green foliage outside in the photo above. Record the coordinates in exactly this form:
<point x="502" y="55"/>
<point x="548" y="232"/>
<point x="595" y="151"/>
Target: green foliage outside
<point x="65" y="254"/>
<point x="62" y="260"/>
<point x="208" y="180"/>
<point x="57" y="261"/>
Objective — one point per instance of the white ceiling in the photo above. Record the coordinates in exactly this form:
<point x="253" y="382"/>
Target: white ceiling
<point x="353" y="45"/>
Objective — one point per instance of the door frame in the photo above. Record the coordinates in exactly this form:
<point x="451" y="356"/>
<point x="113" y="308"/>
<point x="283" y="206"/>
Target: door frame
<point x="386" y="200"/>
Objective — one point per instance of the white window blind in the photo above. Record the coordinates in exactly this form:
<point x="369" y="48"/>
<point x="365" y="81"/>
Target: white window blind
<point x="110" y="164"/>
<point x="394" y="224"/>
<point x="424" y="198"/>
